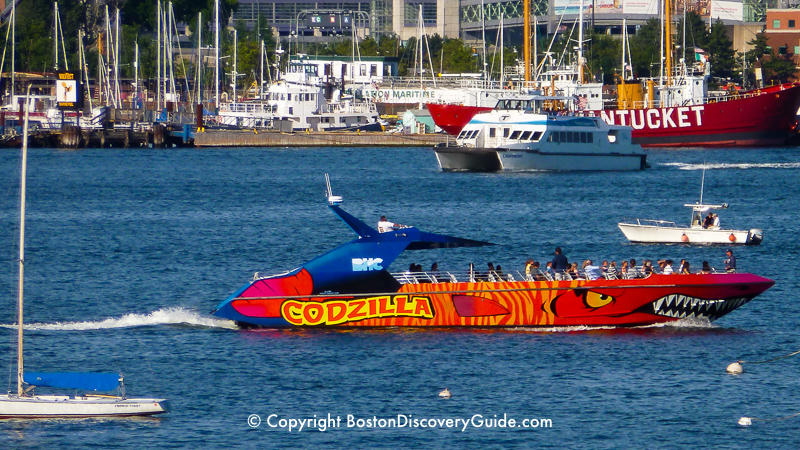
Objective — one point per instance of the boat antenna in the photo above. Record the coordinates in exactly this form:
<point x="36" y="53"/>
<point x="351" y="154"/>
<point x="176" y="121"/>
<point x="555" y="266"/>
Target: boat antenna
<point x="332" y="199"/>
<point x="702" y="182"/>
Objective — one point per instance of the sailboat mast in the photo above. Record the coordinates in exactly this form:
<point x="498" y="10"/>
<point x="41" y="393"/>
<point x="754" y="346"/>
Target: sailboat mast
<point x="158" y="58"/>
<point x="216" y="53"/>
<point x="235" y="57"/>
<point x="526" y="44"/>
<point x="668" y="38"/>
<point x="580" y="45"/>
<point x="23" y="175"/>
<point x="13" y="46"/>
<point x="502" y="65"/>
<point x="55" y="34"/>
<point x="199" y="57"/>
<point x="421" y="37"/>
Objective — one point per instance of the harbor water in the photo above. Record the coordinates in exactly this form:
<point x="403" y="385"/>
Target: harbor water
<point x="128" y="251"/>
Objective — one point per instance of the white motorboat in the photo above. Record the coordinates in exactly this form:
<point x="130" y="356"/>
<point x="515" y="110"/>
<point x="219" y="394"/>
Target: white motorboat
<point x="704" y="228"/>
<point x="528" y="138"/>
<point x="82" y="400"/>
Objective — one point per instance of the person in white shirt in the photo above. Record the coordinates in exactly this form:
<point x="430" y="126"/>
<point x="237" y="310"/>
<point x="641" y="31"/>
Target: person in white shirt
<point x="384" y="226"/>
<point x="667" y="268"/>
<point x="591" y="271"/>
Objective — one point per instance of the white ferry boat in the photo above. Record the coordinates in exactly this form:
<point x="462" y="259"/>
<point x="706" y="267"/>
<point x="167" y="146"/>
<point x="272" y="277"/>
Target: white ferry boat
<point x="519" y="138"/>
<point x="299" y="107"/>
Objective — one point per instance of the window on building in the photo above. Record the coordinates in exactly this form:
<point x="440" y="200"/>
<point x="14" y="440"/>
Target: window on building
<point x="373" y="70"/>
<point x="411" y="12"/>
<point x="797" y="49"/>
<point x="776" y="24"/>
<point x="791" y="23"/>
<point x="782" y="50"/>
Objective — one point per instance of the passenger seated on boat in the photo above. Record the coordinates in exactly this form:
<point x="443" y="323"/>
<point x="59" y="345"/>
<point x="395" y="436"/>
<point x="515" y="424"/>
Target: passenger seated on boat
<point x="408" y="276"/>
<point x="709" y="221"/>
<point x="529" y="269"/>
<point x="686" y="270"/>
<point x="591" y="271"/>
<point x="498" y="272"/>
<point x="633" y="272"/>
<point x="549" y="273"/>
<point x="434" y="273"/>
<point x="611" y="271"/>
<point x="706" y="267"/>
<point x="384" y="226"/>
<point x="573" y="271"/>
<point x="491" y="275"/>
<point x="666" y="266"/>
<point x="624" y="270"/>
<point x="647" y="268"/>
<point x="716" y="221"/>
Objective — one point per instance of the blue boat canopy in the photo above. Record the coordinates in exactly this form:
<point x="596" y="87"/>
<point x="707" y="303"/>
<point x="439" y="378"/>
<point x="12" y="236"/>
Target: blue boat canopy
<point x="87" y="381"/>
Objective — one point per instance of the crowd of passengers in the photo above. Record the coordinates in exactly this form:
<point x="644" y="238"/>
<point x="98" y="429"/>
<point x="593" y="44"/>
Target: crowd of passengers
<point x="561" y="269"/>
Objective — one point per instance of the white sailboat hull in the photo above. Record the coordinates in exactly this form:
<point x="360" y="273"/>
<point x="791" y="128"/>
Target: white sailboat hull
<point x="685" y="235"/>
<point x="62" y="406"/>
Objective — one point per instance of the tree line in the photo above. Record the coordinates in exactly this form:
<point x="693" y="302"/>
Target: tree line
<point x="35" y="46"/>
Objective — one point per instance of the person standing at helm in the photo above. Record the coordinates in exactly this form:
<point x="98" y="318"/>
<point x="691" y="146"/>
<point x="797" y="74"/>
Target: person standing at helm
<point x="384" y="226"/>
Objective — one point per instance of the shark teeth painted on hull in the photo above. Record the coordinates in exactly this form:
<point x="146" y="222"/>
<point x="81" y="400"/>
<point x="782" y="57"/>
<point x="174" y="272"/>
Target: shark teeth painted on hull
<point x="686" y="307"/>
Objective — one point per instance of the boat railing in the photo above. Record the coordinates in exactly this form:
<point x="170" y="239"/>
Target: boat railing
<point x="535" y="275"/>
<point x="650" y="223"/>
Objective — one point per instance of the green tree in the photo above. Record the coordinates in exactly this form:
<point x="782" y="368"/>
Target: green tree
<point x="605" y="56"/>
<point x="721" y="54"/>
<point x="645" y="52"/>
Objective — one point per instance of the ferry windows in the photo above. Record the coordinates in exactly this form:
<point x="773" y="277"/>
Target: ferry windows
<point x="525" y="135"/>
<point x="562" y="136"/>
<point x="506" y="132"/>
<point x="590" y="138"/>
<point x="583" y="137"/>
<point x="515" y="134"/>
<point x="536" y="136"/>
<point x="492" y="132"/>
<point x="462" y="135"/>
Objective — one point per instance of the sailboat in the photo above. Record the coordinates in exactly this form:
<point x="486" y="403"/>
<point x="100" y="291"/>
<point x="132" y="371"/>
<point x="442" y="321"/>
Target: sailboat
<point x="24" y="404"/>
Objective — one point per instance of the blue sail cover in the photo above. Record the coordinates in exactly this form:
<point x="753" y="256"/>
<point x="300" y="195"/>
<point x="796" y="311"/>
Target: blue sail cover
<point x="87" y="381"/>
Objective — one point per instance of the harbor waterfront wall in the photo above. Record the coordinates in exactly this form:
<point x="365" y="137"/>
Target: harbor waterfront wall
<point x="241" y="138"/>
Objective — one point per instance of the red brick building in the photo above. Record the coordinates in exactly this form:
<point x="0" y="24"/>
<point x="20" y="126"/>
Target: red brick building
<point x="783" y="31"/>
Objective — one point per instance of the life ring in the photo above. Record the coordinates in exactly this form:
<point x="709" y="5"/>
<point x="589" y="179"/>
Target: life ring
<point x="732" y="237"/>
<point x="684" y="237"/>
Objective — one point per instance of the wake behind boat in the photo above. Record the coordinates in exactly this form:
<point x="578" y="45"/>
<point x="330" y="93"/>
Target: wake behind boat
<point x="27" y="405"/>
<point x="351" y="286"/>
